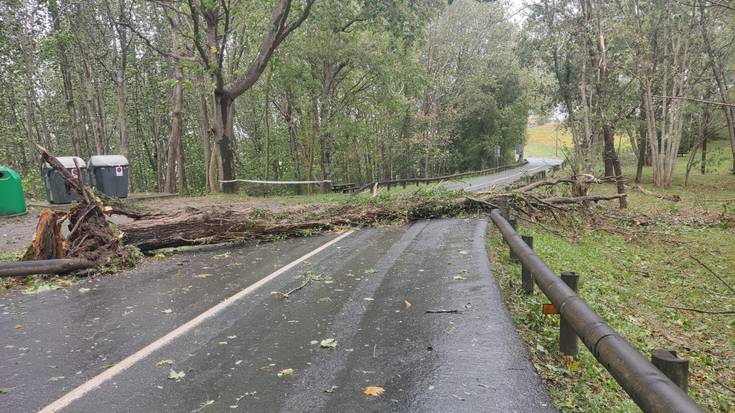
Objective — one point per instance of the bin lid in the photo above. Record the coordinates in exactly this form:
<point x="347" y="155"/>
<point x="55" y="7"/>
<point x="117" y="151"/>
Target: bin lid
<point x="68" y="162"/>
<point x="108" y="160"/>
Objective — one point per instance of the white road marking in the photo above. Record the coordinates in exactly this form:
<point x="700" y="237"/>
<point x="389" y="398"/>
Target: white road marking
<point x="123" y="365"/>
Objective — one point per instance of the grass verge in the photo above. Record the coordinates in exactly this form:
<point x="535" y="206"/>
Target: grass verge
<point x="633" y="272"/>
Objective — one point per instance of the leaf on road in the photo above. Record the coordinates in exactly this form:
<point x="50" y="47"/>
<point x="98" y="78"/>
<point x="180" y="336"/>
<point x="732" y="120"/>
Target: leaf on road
<point x="202" y="405"/>
<point x="84" y="290"/>
<point x="373" y="391"/>
<point x="328" y="343"/>
<point x="4" y="390"/>
<point x="324" y="300"/>
<point x="368" y="299"/>
<point x="107" y="366"/>
<point x="285" y="372"/>
<point x="459" y="278"/>
<point x="464" y="252"/>
<point x="174" y="375"/>
<point x="331" y="389"/>
<point x="167" y="311"/>
<point x="165" y="362"/>
<point x="56" y="378"/>
<point x="19" y="326"/>
<point x="202" y="275"/>
<point x="407" y="304"/>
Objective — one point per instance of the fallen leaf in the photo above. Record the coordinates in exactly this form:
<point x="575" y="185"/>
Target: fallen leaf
<point x="368" y="299"/>
<point x="4" y="390"/>
<point x="407" y="304"/>
<point x="174" y="375"/>
<point x="331" y="389"/>
<point x="84" y="290"/>
<point x="464" y="252"/>
<point x="202" y="405"/>
<point x="328" y="343"/>
<point x="107" y="366"/>
<point x="165" y="362"/>
<point x="373" y="391"/>
<point x="202" y="275"/>
<point x="167" y="311"/>
<point x="459" y="278"/>
<point x="285" y="372"/>
<point x="56" y="378"/>
<point x="19" y="326"/>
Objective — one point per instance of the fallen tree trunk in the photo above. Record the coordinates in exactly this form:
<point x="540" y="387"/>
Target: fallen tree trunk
<point x="90" y="238"/>
<point x="57" y="266"/>
<point x="47" y="243"/>
<point x="194" y="226"/>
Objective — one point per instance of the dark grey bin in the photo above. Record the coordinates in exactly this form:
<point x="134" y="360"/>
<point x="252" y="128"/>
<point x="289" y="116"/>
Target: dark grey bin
<point x="57" y="190"/>
<point x="110" y="174"/>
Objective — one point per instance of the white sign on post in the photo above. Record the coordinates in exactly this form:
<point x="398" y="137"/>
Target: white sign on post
<point x="118" y="171"/>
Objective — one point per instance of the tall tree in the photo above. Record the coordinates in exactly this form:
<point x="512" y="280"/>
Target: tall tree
<point x="212" y="24"/>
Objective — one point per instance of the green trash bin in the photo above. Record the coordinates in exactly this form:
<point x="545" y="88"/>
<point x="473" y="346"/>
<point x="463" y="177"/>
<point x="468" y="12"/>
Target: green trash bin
<point x="12" y="198"/>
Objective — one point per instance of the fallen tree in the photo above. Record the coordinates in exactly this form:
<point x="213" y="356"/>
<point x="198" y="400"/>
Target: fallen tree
<point x="93" y="239"/>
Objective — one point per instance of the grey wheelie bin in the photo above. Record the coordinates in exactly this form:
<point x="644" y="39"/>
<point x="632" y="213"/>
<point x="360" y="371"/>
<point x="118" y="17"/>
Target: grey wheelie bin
<point x="57" y="190"/>
<point x="110" y="174"/>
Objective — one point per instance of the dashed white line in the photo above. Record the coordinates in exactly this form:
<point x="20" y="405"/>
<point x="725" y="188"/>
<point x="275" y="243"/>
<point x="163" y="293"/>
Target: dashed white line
<point x="123" y="365"/>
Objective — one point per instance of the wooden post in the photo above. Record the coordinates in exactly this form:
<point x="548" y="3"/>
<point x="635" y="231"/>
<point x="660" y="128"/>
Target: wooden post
<point x="672" y="366"/>
<point x="526" y="274"/>
<point x="568" y="340"/>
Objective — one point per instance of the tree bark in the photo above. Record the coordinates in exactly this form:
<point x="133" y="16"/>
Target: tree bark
<point x="65" y="69"/>
<point x="205" y="129"/>
<point x="175" y="164"/>
<point x="722" y="87"/>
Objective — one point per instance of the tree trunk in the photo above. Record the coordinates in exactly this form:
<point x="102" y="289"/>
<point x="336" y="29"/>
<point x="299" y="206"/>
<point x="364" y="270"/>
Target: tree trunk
<point x="718" y="72"/>
<point x="406" y="138"/>
<point x="122" y="121"/>
<point x="205" y="130"/>
<point x="224" y="132"/>
<point x="175" y="163"/>
<point x="65" y="69"/>
<point x="703" y="166"/>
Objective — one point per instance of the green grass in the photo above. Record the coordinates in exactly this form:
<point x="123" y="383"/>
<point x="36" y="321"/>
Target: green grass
<point x="631" y="275"/>
<point x="550" y="140"/>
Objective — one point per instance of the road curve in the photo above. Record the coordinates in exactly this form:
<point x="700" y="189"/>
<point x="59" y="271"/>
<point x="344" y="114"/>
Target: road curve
<point x="371" y="291"/>
<point x="486" y="182"/>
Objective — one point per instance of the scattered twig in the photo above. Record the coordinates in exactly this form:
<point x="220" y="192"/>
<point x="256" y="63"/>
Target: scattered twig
<point x="698" y="310"/>
<point x="721" y="384"/>
<point x="442" y="311"/>
<point x="309" y="279"/>
<point x="706" y="267"/>
<point x="672" y="198"/>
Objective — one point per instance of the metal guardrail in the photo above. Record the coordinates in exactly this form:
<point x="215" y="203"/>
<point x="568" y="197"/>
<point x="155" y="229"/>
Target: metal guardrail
<point x="406" y="181"/>
<point x="649" y="388"/>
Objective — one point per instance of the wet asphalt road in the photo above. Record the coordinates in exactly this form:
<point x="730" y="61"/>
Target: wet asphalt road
<point x="487" y="182"/>
<point x="468" y="361"/>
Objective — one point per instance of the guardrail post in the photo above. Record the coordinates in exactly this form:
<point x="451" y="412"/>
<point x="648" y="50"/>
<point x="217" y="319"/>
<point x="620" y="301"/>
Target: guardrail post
<point x="672" y="366"/>
<point x="526" y="274"/>
<point x="568" y="340"/>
